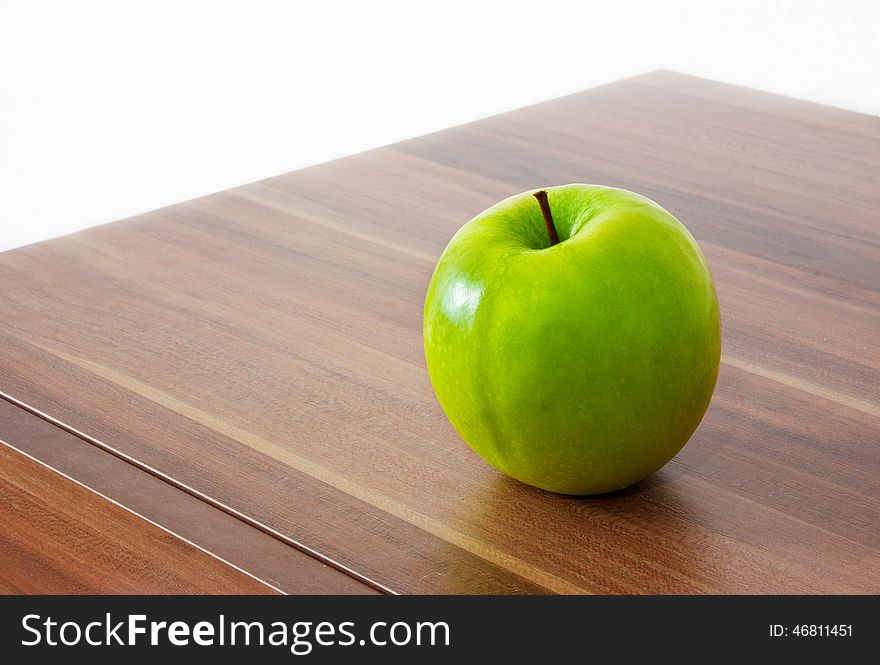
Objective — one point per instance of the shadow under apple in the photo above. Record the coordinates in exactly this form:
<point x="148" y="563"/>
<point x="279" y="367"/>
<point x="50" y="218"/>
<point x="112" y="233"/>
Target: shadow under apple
<point x="646" y="538"/>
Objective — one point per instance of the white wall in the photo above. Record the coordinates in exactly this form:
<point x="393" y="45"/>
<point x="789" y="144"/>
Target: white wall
<point x="112" y="108"/>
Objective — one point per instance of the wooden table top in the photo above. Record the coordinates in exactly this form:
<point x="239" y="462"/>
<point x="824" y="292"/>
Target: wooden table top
<point x="81" y="538"/>
<point x="260" y="351"/>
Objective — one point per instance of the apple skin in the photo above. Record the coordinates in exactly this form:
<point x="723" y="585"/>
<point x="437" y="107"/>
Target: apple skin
<point x="583" y="367"/>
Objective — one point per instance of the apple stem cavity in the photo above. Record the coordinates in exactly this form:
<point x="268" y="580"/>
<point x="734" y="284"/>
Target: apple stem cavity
<point x="544" y="202"/>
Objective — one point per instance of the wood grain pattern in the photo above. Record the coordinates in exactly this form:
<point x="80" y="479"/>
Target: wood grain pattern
<point x="189" y="517"/>
<point x="59" y="537"/>
<point x="263" y="346"/>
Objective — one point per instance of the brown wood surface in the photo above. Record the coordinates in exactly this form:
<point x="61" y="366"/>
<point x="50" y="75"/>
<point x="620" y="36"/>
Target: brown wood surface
<point x="262" y="347"/>
<point x="228" y="537"/>
<point x="59" y="537"/>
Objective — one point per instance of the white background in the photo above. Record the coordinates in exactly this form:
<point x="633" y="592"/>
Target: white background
<point x="108" y="109"/>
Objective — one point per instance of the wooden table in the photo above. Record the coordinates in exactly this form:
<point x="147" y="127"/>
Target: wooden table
<point x="246" y="369"/>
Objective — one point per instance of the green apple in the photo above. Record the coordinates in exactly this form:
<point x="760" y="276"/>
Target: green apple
<point x="579" y="364"/>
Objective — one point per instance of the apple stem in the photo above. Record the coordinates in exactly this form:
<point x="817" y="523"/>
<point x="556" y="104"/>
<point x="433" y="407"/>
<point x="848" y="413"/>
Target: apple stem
<point x="548" y="218"/>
